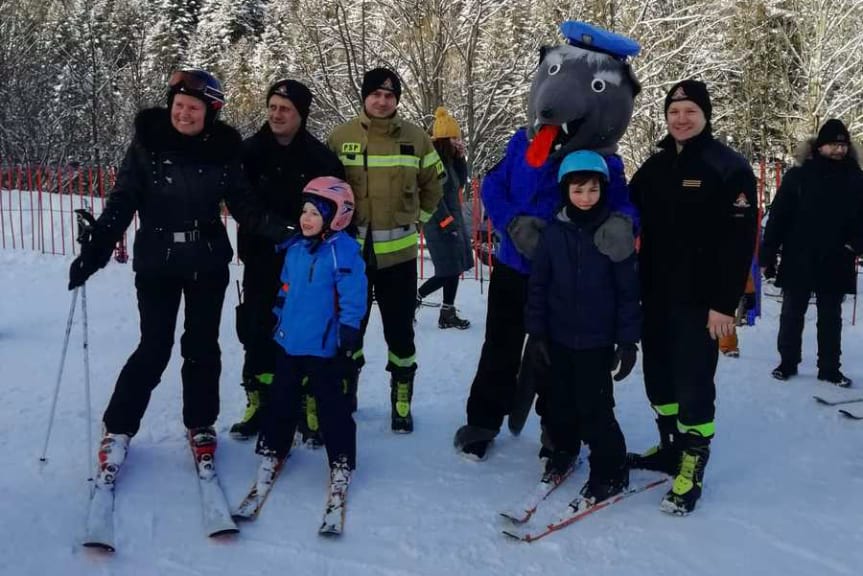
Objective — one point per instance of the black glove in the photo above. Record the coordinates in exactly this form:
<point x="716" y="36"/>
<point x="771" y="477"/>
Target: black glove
<point x="770" y="271"/>
<point x="624" y="361"/>
<point x="350" y="347"/>
<point x="615" y="238"/>
<point x="536" y="352"/>
<point x="524" y="232"/>
<point x="81" y="269"/>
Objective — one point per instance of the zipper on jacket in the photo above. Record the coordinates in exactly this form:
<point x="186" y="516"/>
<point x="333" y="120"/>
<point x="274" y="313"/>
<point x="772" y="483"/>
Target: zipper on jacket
<point x="326" y="333"/>
<point x="168" y="255"/>
<point x="312" y="269"/>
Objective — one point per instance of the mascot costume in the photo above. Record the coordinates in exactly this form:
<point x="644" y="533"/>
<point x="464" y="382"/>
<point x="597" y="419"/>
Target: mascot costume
<point x="581" y="99"/>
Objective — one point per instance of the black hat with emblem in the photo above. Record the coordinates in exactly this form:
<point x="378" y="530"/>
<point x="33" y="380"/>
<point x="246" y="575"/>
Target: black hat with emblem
<point x="381" y="79"/>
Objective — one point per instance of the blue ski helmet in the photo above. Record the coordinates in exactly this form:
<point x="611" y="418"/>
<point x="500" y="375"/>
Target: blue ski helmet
<point x="582" y="161"/>
<point x="199" y="84"/>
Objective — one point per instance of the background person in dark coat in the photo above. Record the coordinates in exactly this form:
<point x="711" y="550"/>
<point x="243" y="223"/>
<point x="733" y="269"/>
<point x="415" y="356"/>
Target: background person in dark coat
<point x="581" y="304"/>
<point x="815" y="223"/>
<point x="181" y="164"/>
<point x="279" y="160"/>
<point x="697" y="202"/>
<point x="445" y="233"/>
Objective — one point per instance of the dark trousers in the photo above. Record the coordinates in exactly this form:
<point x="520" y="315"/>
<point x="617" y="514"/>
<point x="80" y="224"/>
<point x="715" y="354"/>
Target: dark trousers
<point x="448" y="283"/>
<point x="829" y="327"/>
<point x="494" y="385"/>
<point x="282" y="410"/>
<point x="579" y="405"/>
<point x="679" y="361"/>
<point x="395" y="290"/>
<point x="158" y="304"/>
<point x="256" y="321"/>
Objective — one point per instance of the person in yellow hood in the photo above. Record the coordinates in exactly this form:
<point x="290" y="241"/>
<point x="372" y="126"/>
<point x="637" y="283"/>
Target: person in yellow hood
<point x="396" y="176"/>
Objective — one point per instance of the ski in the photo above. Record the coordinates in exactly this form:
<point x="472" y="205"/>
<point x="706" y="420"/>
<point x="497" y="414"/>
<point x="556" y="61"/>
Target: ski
<point x="251" y="505"/>
<point x="851" y="415"/>
<point x="100" y="518"/>
<point x="522" y="512"/>
<point x="214" y="506"/>
<point x="826" y="402"/>
<point x="575" y="513"/>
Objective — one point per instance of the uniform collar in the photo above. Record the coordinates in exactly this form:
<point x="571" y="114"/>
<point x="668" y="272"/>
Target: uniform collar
<point x="389" y="125"/>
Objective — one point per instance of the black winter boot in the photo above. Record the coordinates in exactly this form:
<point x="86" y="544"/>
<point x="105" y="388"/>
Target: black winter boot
<point x="688" y="483"/>
<point x="401" y="394"/>
<point x="784" y="371"/>
<point x="598" y="489"/>
<point x="834" y="377"/>
<point x="664" y="457"/>
<point x="449" y="318"/>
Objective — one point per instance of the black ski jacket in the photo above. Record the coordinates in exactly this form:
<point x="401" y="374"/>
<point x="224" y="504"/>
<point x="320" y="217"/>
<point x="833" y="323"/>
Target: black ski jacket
<point x="816" y="221"/>
<point x="698" y="224"/>
<point x="176" y="184"/>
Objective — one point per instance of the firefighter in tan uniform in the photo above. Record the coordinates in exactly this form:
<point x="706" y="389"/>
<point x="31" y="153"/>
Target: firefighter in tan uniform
<point x="396" y="176"/>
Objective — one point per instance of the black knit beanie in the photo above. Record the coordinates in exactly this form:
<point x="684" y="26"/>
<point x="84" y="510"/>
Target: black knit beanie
<point x="297" y="92"/>
<point x="381" y="79"/>
<point x="692" y="90"/>
<point x="833" y="132"/>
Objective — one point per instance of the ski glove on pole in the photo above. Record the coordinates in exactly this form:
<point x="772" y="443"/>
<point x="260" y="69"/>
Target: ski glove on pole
<point x="524" y="232"/>
<point x="614" y="237"/>
<point x="624" y="361"/>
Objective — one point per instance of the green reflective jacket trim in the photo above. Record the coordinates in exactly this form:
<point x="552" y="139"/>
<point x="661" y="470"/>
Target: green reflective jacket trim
<point x="703" y="430"/>
<point x="390" y="246"/>
<point x="381" y="161"/>
<point x="402" y="362"/>
<point x="425" y="216"/>
<point x="666" y="409"/>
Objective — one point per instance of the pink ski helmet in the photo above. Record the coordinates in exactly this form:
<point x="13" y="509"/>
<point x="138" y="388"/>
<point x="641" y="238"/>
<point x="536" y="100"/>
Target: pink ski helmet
<point x="337" y="192"/>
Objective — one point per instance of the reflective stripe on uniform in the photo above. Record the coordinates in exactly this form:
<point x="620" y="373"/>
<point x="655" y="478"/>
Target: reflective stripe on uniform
<point x="390" y="246"/>
<point x="703" y="430"/>
<point x="402" y="362"/>
<point x="432" y="159"/>
<point x="381" y="161"/>
<point x="666" y="409"/>
<point x="426" y="216"/>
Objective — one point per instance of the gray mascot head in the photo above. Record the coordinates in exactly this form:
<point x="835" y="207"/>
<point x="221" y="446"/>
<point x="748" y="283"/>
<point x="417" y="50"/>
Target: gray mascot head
<point x="582" y="94"/>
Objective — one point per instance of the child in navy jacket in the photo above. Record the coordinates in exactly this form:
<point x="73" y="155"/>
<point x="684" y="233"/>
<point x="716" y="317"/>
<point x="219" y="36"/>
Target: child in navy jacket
<point x="583" y="320"/>
<point x="319" y="308"/>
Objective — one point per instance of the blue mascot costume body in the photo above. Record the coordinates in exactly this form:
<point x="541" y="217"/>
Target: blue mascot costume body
<point x="582" y="97"/>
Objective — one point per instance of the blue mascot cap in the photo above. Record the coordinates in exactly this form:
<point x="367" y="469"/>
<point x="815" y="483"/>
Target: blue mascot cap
<point x="590" y="37"/>
<point x="582" y="161"/>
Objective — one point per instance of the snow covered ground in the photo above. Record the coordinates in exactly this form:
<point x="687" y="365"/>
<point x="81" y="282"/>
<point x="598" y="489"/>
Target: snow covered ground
<point x="784" y="488"/>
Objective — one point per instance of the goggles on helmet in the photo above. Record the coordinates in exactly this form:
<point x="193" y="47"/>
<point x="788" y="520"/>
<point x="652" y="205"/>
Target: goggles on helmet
<point x="187" y="80"/>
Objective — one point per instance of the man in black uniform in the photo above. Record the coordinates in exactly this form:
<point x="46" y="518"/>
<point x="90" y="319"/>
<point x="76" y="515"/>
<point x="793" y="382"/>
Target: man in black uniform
<point x="697" y="202"/>
<point x="279" y="160"/>
<point x="815" y="221"/>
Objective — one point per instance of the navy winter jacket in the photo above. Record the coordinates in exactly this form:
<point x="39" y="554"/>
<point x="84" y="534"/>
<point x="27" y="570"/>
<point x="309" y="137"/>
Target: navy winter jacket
<point x="577" y="297"/>
<point x="514" y="188"/>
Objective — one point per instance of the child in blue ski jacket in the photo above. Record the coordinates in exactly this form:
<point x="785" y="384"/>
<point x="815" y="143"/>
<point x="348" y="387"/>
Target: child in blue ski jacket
<point x="583" y="319"/>
<point x="319" y="308"/>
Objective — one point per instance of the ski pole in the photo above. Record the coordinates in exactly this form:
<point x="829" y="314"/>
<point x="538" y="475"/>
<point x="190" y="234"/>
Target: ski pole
<point x="59" y="374"/>
<point x="91" y="465"/>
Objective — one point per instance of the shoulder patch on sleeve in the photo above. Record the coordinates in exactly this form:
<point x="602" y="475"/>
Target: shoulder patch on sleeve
<point x="351" y="148"/>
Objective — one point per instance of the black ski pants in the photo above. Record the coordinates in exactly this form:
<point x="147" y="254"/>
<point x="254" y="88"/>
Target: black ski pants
<point x="282" y="410"/>
<point x="579" y="401"/>
<point x="494" y="385"/>
<point x="256" y="321"/>
<point x="829" y="327"/>
<point x="448" y="283"/>
<point x="395" y="289"/>
<point x="158" y="304"/>
<point x="679" y="361"/>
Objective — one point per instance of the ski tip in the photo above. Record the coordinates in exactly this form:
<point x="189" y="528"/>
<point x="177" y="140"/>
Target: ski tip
<point x="330" y="532"/>
<point x="515" y="536"/>
<point x="820" y="400"/>
<point x="100" y="546"/>
<point x="224" y="533"/>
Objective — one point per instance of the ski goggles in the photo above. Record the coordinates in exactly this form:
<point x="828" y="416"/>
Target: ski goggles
<point x="187" y="81"/>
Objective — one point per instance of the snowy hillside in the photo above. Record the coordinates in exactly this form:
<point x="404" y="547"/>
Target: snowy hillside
<point x="783" y="492"/>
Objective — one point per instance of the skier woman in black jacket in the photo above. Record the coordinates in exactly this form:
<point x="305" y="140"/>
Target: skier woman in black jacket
<point x="181" y="164"/>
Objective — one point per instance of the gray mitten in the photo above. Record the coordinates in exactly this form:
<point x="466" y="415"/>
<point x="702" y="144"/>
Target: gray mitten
<point x="524" y="232"/>
<point x="614" y="237"/>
